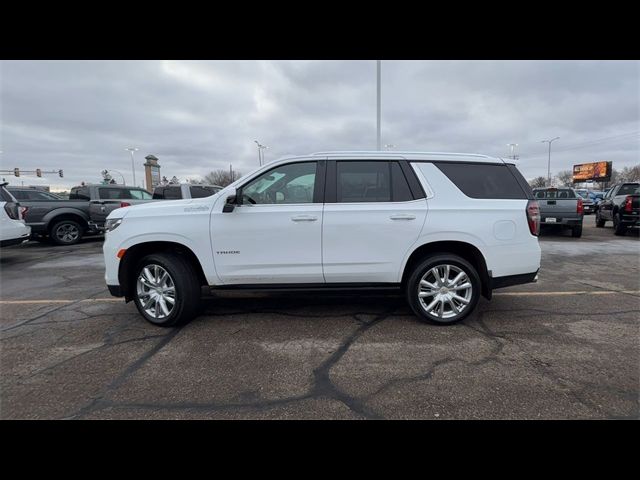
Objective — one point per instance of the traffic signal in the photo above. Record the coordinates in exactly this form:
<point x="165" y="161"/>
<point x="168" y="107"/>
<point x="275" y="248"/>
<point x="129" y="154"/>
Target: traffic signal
<point x="16" y="172"/>
<point x="38" y="172"/>
<point x="60" y="173"/>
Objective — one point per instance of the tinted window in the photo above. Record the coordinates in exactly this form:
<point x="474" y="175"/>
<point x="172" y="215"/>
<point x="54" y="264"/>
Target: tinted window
<point x="554" y="193"/>
<point x="200" y="191"/>
<point x="6" y="195"/>
<point x="38" y="195"/>
<point x="81" y="193"/>
<point x="293" y="183"/>
<point x="123" y="194"/>
<point x="158" y="193"/>
<point x="19" y="194"/>
<point x="629" y="189"/>
<point x="483" y="180"/>
<point x="172" y="193"/>
<point x="363" y="182"/>
<point x="400" y="191"/>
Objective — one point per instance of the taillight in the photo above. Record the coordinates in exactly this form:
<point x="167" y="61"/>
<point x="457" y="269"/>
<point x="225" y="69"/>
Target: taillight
<point x="628" y="204"/>
<point x="580" y="208"/>
<point x="23" y="212"/>
<point x="124" y="204"/>
<point x="533" y="217"/>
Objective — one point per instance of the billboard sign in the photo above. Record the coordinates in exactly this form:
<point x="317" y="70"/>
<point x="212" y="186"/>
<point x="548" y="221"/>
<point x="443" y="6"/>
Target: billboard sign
<point x="597" y="171"/>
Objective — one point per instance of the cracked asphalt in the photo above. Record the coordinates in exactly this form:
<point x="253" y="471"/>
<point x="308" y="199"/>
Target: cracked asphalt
<point x="567" y="347"/>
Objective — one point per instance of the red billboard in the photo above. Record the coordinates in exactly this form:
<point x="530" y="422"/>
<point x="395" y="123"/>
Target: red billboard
<point x="597" y="171"/>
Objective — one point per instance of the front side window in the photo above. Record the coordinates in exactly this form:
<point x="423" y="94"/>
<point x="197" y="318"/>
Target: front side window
<point x="286" y="184"/>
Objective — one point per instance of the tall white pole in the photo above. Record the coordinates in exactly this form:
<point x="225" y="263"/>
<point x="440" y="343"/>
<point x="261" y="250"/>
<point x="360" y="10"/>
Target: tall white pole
<point x="133" y="168"/>
<point x="379" y="139"/>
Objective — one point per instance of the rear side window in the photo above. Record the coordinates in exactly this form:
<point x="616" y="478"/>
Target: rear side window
<point x="79" y="194"/>
<point x="477" y="180"/>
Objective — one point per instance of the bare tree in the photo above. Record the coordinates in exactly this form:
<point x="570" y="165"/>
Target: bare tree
<point x="538" y="182"/>
<point x="564" y="178"/>
<point x="629" y="174"/>
<point x="221" y="177"/>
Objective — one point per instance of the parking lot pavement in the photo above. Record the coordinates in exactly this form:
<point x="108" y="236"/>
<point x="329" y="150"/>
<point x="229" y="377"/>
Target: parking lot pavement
<point x="566" y="347"/>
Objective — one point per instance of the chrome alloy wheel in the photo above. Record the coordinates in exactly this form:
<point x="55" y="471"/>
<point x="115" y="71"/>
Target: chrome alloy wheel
<point x="445" y="291"/>
<point x="156" y="291"/>
<point x="67" y="232"/>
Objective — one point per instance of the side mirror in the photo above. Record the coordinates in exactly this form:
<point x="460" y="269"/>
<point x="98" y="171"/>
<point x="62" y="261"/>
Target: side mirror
<point x="230" y="204"/>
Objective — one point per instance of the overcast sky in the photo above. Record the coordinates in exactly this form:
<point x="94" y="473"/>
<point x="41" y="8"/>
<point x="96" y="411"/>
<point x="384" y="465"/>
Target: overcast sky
<point x="200" y="116"/>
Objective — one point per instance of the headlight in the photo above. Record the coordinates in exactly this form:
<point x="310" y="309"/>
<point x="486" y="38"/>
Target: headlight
<point x="112" y="223"/>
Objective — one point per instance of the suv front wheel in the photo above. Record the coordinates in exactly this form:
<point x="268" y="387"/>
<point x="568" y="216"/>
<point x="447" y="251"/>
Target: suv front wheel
<point x="443" y="289"/>
<point x="166" y="289"/>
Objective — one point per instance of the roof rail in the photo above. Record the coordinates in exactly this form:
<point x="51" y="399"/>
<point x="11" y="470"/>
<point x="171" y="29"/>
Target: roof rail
<point x="393" y="152"/>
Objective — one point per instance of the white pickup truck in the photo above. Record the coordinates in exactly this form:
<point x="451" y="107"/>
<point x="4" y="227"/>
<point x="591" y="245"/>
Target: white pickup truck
<point x="444" y="228"/>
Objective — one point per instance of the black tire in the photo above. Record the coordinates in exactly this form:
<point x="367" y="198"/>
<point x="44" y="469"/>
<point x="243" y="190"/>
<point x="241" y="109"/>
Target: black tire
<point x="599" y="221"/>
<point x="413" y="289"/>
<point x="66" y="232"/>
<point x="187" y="289"/>
<point x="618" y="227"/>
<point x="576" y="232"/>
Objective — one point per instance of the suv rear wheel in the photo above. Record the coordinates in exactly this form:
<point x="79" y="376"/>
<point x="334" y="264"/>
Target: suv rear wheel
<point x="443" y="289"/>
<point x="166" y="289"/>
<point x="618" y="227"/>
<point x="66" y="232"/>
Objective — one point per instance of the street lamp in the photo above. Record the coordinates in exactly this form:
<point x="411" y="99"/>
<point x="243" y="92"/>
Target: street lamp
<point x="260" y="151"/>
<point x="513" y="146"/>
<point x="133" y="168"/>
<point x="549" y="163"/>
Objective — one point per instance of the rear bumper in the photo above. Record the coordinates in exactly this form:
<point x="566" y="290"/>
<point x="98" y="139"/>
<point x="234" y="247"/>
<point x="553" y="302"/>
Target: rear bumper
<point x="631" y="220"/>
<point x="510" y="280"/>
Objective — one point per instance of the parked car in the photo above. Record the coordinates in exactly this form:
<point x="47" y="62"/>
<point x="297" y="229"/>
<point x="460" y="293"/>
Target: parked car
<point x="340" y="220"/>
<point x="587" y="203"/>
<point x="560" y="206"/>
<point x="184" y="190"/>
<point x="13" y="230"/>
<point x="621" y="205"/>
<point x="65" y="222"/>
<point x="105" y="198"/>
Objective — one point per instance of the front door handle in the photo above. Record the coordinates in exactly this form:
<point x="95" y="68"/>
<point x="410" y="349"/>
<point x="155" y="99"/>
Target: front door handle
<point x="402" y="216"/>
<point x="304" y="218"/>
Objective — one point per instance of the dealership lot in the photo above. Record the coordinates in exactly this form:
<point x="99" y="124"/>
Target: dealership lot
<point x="566" y="347"/>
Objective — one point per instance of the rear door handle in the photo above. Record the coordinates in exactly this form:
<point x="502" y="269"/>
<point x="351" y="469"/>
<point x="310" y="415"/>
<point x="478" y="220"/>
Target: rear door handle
<point x="402" y="216"/>
<point x="304" y="218"/>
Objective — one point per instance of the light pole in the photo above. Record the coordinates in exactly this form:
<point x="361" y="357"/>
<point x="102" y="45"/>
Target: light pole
<point x="549" y="163"/>
<point x="513" y="146"/>
<point x="260" y="151"/>
<point x="379" y="138"/>
<point x="133" y="168"/>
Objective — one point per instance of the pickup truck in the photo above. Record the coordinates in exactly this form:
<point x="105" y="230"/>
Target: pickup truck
<point x="621" y="205"/>
<point x="65" y="222"/>
<point x="560" y="206"/>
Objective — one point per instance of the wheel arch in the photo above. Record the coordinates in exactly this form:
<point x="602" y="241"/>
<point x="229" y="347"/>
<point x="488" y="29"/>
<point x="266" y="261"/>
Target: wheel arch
<point x="136" y="252"/>
<point x="68" y="214"/>
<point x="466" y="250"/>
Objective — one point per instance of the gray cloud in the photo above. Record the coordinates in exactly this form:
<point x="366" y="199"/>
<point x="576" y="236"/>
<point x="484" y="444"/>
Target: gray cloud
<point x="199" y="116"/>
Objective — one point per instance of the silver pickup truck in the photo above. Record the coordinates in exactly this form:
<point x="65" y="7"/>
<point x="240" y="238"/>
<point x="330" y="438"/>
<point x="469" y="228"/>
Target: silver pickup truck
<point x="560" y="206"/>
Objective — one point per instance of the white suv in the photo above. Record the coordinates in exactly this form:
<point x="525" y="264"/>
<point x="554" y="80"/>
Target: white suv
<point x="444" y="228"/>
